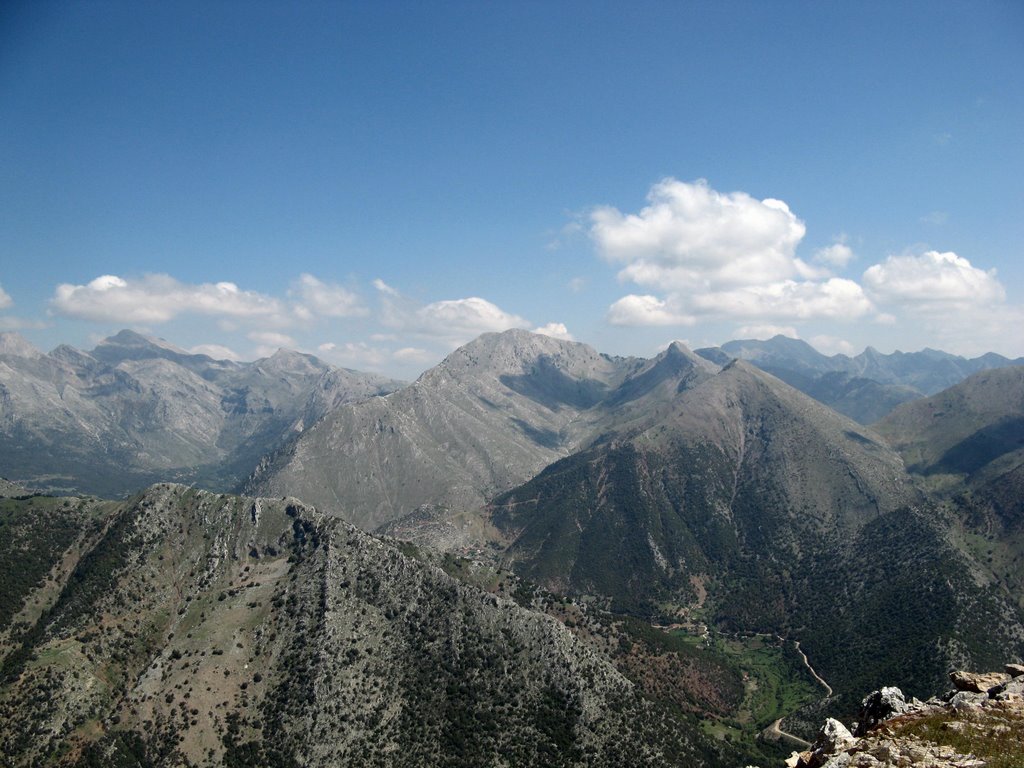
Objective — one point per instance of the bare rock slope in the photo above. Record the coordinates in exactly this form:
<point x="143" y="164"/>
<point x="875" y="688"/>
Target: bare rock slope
<point x="979" y="724"/>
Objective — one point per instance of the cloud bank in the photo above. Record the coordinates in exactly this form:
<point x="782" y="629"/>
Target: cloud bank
<point x="159" y="298"/>
<point x="702" y="255"/>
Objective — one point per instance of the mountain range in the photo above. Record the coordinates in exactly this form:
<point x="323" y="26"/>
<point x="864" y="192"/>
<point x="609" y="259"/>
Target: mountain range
<point x="865" y="387"/>
<point x="718" y="493"/>
<point x="136" y="410"/>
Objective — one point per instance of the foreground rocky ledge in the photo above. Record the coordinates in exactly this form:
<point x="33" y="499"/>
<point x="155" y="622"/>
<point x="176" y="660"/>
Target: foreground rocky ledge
<point x="979" y="724"/>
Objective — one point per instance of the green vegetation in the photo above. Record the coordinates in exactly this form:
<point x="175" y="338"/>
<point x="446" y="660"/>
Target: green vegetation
<point x="778" y="683"/>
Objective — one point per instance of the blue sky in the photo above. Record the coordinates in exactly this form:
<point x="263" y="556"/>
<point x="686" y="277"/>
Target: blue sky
<point x="378" y="182"/>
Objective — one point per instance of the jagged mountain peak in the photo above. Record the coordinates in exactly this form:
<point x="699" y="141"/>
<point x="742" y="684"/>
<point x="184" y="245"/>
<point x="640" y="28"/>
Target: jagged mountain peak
<point x="138" y="409"/>
<point x="663" y="376"/>
<point x="678" y="349"/>
<point x="131" y="345"/>
<point x="491" y="415"/>
<point x="778" y="347"/>
<point x="73" y="356"/>
<point x="715" y="355"/>
<point x="130" y="338"/>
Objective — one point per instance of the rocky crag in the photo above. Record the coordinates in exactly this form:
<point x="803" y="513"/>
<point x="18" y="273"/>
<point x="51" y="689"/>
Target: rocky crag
<point x="978" y="724"/>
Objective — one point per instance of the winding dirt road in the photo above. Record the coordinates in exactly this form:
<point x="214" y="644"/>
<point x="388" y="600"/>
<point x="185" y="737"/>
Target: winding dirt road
<point x="774" y="731"/>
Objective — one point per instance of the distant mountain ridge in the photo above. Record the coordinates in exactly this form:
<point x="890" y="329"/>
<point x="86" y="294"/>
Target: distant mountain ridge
<point x="690" y="490"/>
<point x="135" y="410"/>
<point x="966" y="446"/>
<point x="864" y="387"/>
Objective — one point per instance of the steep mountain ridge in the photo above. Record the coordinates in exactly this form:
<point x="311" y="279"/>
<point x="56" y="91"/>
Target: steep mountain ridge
<point x="183" y="627"/>
<point x="136" y="409"/>
<point x="684" y="492"/>
<point x="740" y="462"/>
<point x="964" y="428"/>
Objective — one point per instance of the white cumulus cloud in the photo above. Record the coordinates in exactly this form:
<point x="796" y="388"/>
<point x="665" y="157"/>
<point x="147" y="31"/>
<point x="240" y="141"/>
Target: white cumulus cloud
<point x="836" y="298"/>
<point x="354" y="354"/>
<point x="691" y="236"/>
<point x="555" y="330"/>
<point x="720" y="256"/>
<point x="413" y="355"/>
<point x="451" y="321"/>
<point x="272" y="339"/>
<point x="838" y="255"/>
<point x="5" y="299"/>
<point x="932" y="280"/>
<point x="465" y="318"/>
<point x="647" y="310"/>
<point x="384" y="288"/>
<point x="159" y="298"/>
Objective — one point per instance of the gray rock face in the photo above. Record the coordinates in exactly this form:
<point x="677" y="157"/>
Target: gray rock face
<point x="977" y="682"/>
<point x="986" y="726"/>
<point x="833" y="737"/>
<point x="136" y="409"/>
<point x="879" y="706"/>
